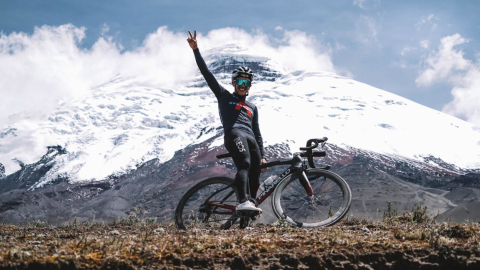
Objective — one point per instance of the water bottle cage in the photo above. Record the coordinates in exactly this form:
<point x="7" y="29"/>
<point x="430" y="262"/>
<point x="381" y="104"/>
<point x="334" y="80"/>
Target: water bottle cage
<point x="265" y="185"/>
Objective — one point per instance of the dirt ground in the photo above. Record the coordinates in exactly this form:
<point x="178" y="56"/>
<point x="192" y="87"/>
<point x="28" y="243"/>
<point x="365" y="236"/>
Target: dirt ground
<point x="352" y="244"/>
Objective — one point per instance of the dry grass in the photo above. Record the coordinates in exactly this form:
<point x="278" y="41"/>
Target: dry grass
<point x="132" y="243"/>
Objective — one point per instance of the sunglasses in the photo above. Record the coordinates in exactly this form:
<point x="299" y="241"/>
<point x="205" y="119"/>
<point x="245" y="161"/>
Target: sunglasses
<point x="242" y="81"/>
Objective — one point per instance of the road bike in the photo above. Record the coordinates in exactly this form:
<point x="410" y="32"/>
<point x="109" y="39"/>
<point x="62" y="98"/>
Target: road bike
<point x="302" y="196"/>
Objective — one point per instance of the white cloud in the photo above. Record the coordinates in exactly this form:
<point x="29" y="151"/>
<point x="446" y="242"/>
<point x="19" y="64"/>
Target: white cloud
<point x="301" y="51"/>
<point x="449" y="64"/>
<point x="40" y="70"/>
<point x="105" y="29"/>
<point x="278" y="28"/>
<point x="406" y="50"/>
<point x="367" y="30"/>
<point x="359" y="3"/>
<point x="339" y="46"/>
<point x="444" y="63"/>
<point x="425" y="44"/>
<point x="296" y="49"/>
<point x="428" y="20"/>
<point x="466" y="97"/>
<point x="366" y="4"/>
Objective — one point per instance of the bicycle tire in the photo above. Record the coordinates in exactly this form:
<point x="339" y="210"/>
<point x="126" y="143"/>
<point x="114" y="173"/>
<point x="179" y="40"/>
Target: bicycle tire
<point x="188" y="213"/>
<point x="290" y="189"/>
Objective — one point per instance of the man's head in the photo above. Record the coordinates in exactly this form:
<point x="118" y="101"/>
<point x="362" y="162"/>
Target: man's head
<point x="242" y="78"/>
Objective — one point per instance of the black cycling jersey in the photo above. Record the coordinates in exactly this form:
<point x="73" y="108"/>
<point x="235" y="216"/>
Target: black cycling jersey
<point x="235" y="110"/>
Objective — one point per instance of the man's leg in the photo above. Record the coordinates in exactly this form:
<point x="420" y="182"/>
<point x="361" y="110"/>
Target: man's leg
<point x="254" y="174"/>
<point x="237" y="145"/>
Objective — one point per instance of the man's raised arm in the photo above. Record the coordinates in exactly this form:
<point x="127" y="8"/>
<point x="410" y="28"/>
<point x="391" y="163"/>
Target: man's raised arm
<point x="211" y="81"/>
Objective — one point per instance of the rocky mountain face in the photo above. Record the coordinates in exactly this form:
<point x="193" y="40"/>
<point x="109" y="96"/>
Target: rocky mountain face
<point x="29" y="174"/>
<point x="153" y="189"/>
<point x="468" y="180"/>
<point x="432" y="172"/>
<point x="222" y="62"/>
<point x="2" y="171"/>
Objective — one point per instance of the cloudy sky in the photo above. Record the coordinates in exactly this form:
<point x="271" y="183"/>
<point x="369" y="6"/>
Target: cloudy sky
<point x="426" y="51"/>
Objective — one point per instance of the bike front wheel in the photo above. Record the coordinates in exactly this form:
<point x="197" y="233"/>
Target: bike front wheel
<point x="209" y="204"/>
<point x="329" y="204"/>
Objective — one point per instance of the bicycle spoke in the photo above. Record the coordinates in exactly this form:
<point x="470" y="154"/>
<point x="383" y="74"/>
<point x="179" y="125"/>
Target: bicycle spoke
<point x="315" y="211"/>
<point x="323" y="190"/>
<point x="296" y="210"/>
<point x="329" y="189"/>
<point x="296" y="188"/>
<point x="305" y="215"/>
<point x="318" y="209"/>
<point x="228" y="195"/>
<point x="288" y="206"/>
<point x="341" y="196"/>
<point x="323" y="182"/>
<point x="339" y="202"/>
<point x="292" y="207"/>
<point x="300" y="188"/>
<point x="320" y="218"/>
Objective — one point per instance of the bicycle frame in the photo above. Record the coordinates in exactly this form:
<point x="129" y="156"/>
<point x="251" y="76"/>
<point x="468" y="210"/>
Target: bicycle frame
<point x="296" y="166"/>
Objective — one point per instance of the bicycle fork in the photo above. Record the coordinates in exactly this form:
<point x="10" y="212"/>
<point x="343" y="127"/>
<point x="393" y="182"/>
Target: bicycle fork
<point x="302" y="177"/>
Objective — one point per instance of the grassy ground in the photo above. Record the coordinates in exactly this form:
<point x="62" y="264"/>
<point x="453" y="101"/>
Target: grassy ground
<point x="410" y="241"/>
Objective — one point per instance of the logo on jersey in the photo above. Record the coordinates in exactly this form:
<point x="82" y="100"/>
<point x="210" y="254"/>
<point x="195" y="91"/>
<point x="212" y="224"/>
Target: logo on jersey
<point x="241" y="105"/>
<point x="240" y="146"/>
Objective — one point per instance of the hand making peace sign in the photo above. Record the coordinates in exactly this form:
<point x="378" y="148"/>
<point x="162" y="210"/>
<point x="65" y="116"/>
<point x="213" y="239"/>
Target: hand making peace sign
<point x="192" y="40"/>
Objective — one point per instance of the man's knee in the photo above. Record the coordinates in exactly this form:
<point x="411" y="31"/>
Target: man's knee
<point x="244" y="165"/>
<point x="243" y="173"/>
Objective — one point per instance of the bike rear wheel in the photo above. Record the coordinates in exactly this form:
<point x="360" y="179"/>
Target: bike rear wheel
<point x="208" y="204"/>
<point x="330" y="203"/>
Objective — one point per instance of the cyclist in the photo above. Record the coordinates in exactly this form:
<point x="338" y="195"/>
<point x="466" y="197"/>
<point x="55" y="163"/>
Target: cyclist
<point x="242" y="136"/>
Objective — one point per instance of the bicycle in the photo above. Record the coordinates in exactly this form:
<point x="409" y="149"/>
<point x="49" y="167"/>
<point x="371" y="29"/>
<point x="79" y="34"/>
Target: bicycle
<point x="319" y="197"/>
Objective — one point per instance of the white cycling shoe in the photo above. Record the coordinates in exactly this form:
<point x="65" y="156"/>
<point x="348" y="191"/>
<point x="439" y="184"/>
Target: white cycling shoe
<point x="248" y="206"/>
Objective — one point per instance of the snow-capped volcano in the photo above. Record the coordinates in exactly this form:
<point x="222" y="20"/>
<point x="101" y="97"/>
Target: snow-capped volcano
<point x="223" y="60"/>
<point x="124" y="122"/>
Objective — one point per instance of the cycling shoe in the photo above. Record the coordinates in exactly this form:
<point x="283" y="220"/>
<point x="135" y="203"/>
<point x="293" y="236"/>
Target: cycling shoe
<point x="247" y="207"/>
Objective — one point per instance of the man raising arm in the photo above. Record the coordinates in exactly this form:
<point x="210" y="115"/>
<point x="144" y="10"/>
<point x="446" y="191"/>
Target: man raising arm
<point x="242" y="137"/>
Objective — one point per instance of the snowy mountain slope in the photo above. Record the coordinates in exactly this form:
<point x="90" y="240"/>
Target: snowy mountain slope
<point x="126" y="122"/>
<point x="358" y="115"/>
